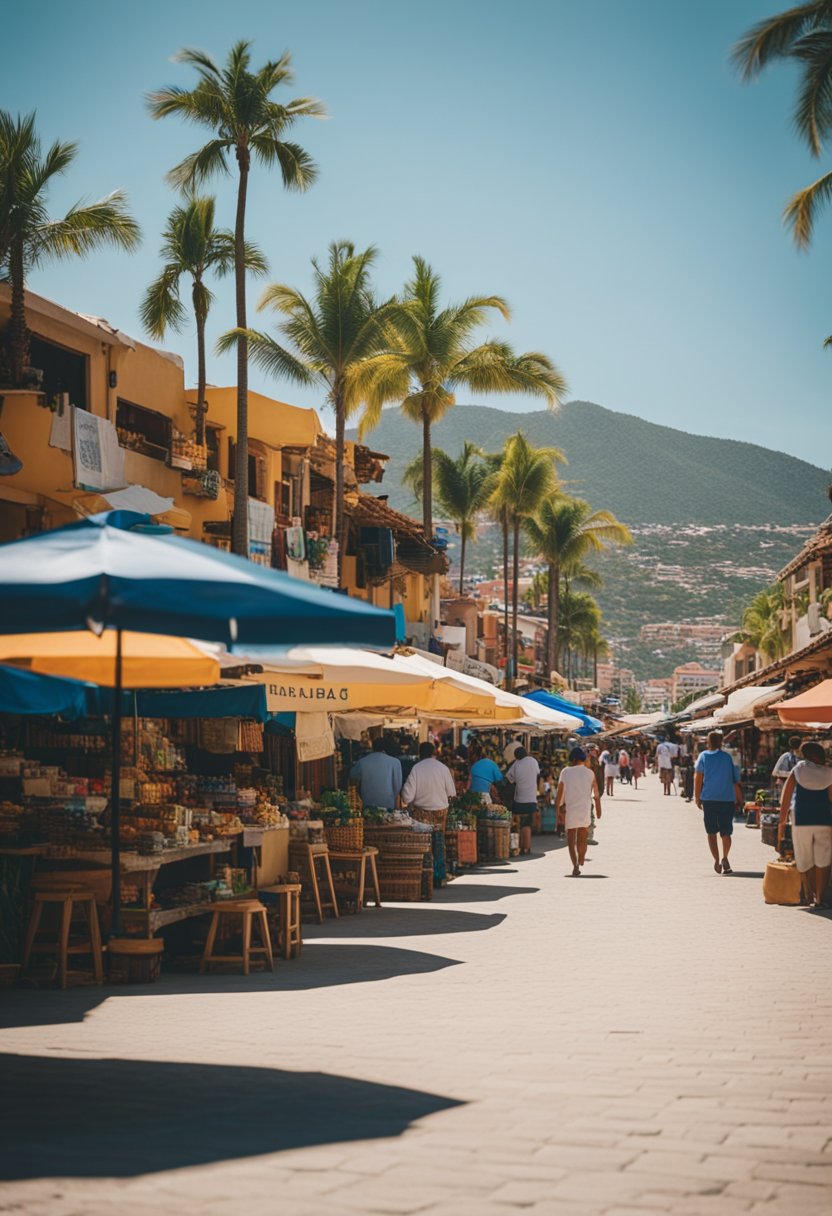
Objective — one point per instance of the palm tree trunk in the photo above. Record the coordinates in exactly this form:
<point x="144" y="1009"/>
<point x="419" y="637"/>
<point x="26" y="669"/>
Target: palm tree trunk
<point x="240" y="529"/>
<point x="340" y="426"/>
<point x="516" y="578"/>
<point x="201" y="378"/>
<point x="462" y="558"/>
<point x="551" y="618"/>
<point x="427" y="477"/>
<point x="18" y="329"/>
<point x="594" y="664"/>
<point x="504" y="522"/>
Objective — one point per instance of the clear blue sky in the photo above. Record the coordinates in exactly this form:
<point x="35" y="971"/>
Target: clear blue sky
<point x="597" y="164"/>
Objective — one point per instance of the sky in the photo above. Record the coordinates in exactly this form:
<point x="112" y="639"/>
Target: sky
<point x="599" y="165"/>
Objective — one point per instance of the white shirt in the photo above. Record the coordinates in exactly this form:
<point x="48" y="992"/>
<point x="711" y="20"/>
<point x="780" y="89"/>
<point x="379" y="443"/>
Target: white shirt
<point x="576" y="782"/>
<point x="510" y="749"/>
<point x="666" y="754"/>
<point x="429" y="786"/>
<point x="524" y="774"/>
<point x="785" y="764"/>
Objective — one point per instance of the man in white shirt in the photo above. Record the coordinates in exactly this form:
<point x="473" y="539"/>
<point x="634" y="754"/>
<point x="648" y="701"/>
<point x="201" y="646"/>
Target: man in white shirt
<point x="577" y="790"/>
<point x="787" y="761"/>
<point x="510" y="749"/>
<point x="666" y="754"/>
<point x="429" y="786"/>
<point x="523" y="775"/>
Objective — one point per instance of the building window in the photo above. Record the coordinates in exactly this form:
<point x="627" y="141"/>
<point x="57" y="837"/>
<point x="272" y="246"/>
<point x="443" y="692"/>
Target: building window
<point x="212" y="442"/>
<point x="64" y="370"/>
<point x="143" y="430"/>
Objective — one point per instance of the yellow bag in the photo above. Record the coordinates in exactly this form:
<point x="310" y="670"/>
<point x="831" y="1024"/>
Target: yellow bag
<point x="781" y="884"/>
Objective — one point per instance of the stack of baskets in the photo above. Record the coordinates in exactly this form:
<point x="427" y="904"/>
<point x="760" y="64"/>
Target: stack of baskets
<point x="461" y="848"/>
<point x="400" y="861"/>
<point x="438" y="820"/>
<point x="494" y="838"/>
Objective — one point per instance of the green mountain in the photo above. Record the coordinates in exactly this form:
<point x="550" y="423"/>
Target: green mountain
<point x="644" y="472"/>
<point x="713" y="520"/>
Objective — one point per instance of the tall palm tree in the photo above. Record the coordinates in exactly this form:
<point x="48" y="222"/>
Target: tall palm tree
<point x="329" y="337"/>
<point x="192" y="246"/>
<point x="462" y="487"/>
<point x="235" y="103"/>
<point x="579" y="624"/>
<point x="526" y="479"/>
<point x="803" y="35"/>
<point x="432" y="352"/>
<point x="564" y="532"/>
<point x="29" y="237"/>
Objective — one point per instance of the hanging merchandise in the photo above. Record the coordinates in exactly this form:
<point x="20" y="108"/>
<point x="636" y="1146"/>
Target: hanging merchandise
<point x="218" y="735"/>
<point x="295" y="544"/>
<point x="314" y="737"/>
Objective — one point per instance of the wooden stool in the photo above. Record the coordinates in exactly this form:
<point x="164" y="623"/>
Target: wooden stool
<point x="371" y="875"/>
<point x="251" y="910"/>
<point x="66" y="898"/>
<point x="290" y="937"/>
<point x="306" y="858"/>
<point x="351" y="869"/>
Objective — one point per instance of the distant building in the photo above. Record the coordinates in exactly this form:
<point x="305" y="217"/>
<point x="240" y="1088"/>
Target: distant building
<point x="655" y="695"/>
<point x="692" y="678"/>
<point x="613" y="679"/>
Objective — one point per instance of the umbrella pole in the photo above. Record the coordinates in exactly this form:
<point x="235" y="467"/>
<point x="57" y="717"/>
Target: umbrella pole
<point x="115" y="795"/>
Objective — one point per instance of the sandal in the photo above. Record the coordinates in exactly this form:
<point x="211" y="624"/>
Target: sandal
<point x="726" y="866"/>
<point x="576" y="873"/>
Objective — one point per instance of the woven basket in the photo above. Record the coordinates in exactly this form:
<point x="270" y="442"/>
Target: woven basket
<point x="436" y="819"/>
<point x="392" y="839"/>
<point x="466" y="848"/>
<point x="345" y="837"/>
<point x="401" y="888"/>
<point x="494" y="839"/>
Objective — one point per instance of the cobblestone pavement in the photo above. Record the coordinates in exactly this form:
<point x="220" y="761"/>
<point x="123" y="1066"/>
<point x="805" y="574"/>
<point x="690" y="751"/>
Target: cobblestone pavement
<point x="650" y="1038"/>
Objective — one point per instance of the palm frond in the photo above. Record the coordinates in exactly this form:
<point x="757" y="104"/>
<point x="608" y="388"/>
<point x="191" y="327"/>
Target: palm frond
<point x="201" y="165"/>
<point x="774" y="37"/>
<point x="813" y="112"/>
<point x="272" y="357"/>
<point x="161" y="308"/>
<point x="802" y="209"/>
<point x="85" y="228"/>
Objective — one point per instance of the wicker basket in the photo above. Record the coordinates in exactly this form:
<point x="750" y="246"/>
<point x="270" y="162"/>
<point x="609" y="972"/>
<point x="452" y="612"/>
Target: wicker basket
<point x="466" y="848"/>
<point x="494" y="839"/>
<point x="400" y="877"/>
<point x="135" y="960"/>
<point x="436" y="819"/>
<point x="345" y="837"/>
<point x="392" y="839"/>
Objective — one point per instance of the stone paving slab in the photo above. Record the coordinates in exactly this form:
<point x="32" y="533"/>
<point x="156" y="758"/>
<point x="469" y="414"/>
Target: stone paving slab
<point x="651" y="1038"/>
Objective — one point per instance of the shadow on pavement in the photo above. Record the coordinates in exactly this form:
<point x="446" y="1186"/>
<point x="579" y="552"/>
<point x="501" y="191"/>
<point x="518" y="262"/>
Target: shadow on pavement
<point x="322" y="965"/>
<point x="478" y="892"/>
<point x="407" y="922"/>
<point x="120" y="1118"/>
<point x="746" y="874"/>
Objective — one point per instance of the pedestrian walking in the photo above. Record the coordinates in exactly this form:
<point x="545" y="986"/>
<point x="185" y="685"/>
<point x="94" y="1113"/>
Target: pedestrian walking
<point x="625" y="767"/>
<point x="611" y="771"/>
<point x="638" y="766"/>
<point x="718" y="794"/>
<point x="510" y="749"/>
<point x="577" y="792"/>
<point x="665" y="760"/>
<point x="379" y="777"/>
<point x="430" y="786"/>
<point x="523" y="775"/>
<point x="806" y="795"/>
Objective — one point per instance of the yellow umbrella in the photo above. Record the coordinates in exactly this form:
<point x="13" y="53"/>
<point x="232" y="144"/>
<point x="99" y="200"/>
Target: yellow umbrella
<point x="149" y="660"/>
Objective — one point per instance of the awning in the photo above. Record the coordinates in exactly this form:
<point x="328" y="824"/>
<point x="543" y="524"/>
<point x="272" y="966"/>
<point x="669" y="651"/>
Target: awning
<point x="149" y="660"/>
<point x="234" y="699"/>
<point x="741" y="704"/>
<point x="26" y="692"/>
<point x="589" y="725"/>
<point x="810" y="708"/>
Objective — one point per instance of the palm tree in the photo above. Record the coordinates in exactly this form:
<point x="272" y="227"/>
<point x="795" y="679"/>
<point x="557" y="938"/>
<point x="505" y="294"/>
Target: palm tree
<point x="192" y="246"/>
<point x="432" y="352"/>
<point x="763" y="624"/>
<point x="526" y="479"/>
<point x="330" y="337"/>
<point x="804" y="34"/>
<point x="29" y="237"/>
<point x="564" y="532"/>
<point x="236" y="104"/>
<point x="462" y="487"/>
<point x="579" y="623"/>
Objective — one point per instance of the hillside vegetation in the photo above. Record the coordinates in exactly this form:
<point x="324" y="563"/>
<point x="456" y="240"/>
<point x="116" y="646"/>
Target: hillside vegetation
<point x="643" y="472"/>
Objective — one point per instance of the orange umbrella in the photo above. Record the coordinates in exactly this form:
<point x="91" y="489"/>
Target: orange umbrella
<point x="810" y="708"/>
<point x="149" y="660"/>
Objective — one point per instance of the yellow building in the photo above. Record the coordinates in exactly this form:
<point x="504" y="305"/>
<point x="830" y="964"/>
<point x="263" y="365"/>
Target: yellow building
<point x="111" y="424"/>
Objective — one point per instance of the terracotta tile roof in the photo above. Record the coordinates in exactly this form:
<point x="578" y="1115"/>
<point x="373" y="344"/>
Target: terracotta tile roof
<point x="816" y="546"/>
<point x="817" y="655"/>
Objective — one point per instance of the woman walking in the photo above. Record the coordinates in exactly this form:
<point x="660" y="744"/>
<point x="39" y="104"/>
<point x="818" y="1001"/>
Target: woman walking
<point x="611" y="771"/>
<point x="638" y="766"/>
<point x="807" y="795"/>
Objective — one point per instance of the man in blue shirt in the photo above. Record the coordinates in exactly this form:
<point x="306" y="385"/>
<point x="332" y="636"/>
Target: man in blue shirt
<point x="718" y="793"/>
<point x="379" y="777"/>
<point x="484" y="772"/>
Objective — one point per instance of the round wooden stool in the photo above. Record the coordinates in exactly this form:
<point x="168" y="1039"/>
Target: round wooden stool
<point x="251" y="911"/>
<point x="285" y="896"/>
<point x="66" y="899"/>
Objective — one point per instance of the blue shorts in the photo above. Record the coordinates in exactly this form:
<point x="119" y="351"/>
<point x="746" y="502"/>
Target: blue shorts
<point x="719" y="818"/>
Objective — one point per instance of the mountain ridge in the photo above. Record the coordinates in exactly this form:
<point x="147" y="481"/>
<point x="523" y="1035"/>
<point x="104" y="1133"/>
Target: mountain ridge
<point x="645" y="472"/>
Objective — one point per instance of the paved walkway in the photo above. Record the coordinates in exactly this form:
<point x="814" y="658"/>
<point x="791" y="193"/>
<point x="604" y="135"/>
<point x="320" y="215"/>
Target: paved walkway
<point x="649" y="1038"/>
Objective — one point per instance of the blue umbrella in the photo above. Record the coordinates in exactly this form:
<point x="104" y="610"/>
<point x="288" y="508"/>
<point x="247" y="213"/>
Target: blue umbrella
<point x="120" y="571"/>
<point x="591" y="726"/>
